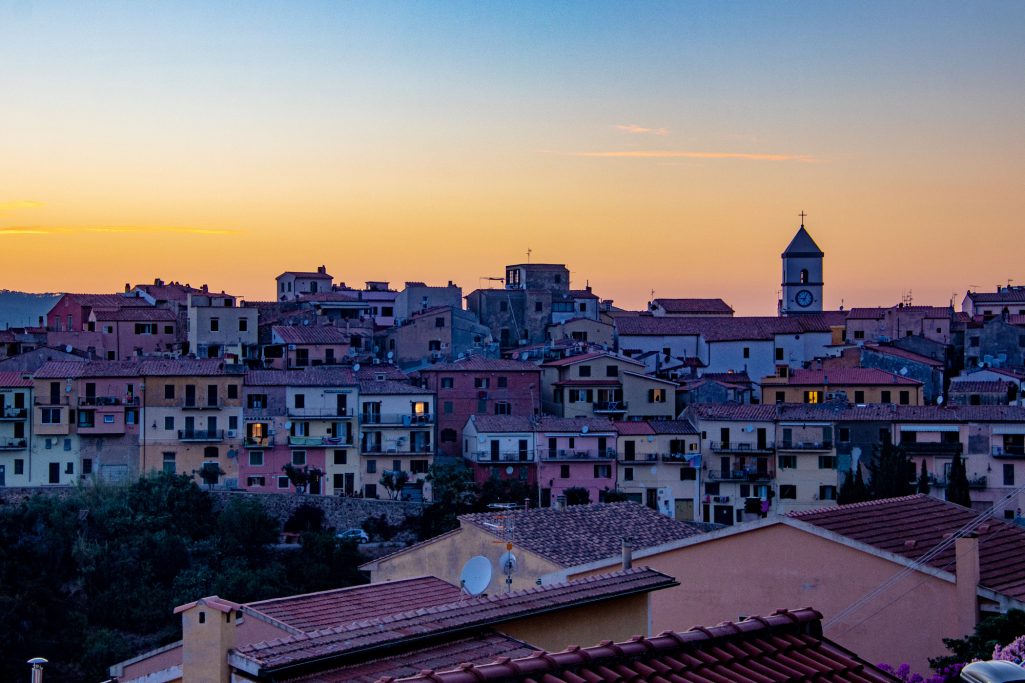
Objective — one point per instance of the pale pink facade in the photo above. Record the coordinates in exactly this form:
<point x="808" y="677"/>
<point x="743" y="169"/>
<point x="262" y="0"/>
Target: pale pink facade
<point x="575" y="453"/>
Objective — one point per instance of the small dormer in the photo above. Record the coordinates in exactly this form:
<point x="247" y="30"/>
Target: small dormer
<point x="208" y="633"/>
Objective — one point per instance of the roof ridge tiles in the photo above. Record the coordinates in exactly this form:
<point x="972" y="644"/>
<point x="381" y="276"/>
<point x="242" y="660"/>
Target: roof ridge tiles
<point x="862" y="504"/>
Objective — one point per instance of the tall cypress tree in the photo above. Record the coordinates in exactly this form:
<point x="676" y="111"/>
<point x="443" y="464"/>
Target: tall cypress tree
<point x="893" y="472"/>
<point x="957" y="485"/>
<point x="923" y="480"/>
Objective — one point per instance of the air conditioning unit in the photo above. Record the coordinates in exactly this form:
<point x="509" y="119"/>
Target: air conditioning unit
<point x="291" y="347"/>
<point x="232" y="433"/>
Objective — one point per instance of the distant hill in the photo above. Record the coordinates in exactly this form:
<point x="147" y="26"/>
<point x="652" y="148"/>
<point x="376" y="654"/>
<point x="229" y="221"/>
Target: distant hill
<point x="22" y="309"/>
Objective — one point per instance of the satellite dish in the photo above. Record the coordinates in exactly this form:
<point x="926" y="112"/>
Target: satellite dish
<point x="939" y="400"/>
<point x="508" y="469"/>
<point x="391" y="354"/>
<point x="355" y="367"/>
<point x="508" y="563"/>
<point x="903" y="371"/>
<point x="476" y="575"/>
<point x="585" y="429"/>
<point x="749" y="429"/>
<point x="68" y="348"/>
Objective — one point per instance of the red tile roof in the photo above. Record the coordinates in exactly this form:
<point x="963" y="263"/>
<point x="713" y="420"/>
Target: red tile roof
<point x="103" y="300"/>
<point x="183" y="367"/>
<point x="310" y="377"/>
<point x="941" y="312"/>
<point x="98" y="368"/>
<point x="754" y="328"/>
<point x="315" y="611"/>
<point x="1007" y="296"/>
<point x="389" y="386"/>
<point x="306" y="273"/>
<point x="673" y="427"/>
<point x="456" y="618"/>
<point x="902" y="353"/>
<point x="591" y="355"/>
<point x="135" y="314"/>
<point x="911" y="526"/>
<point x="784" y="647"/>
<point x="485" y="647"/>
<point x="583" y="533"/>
<point x="482" y="364"/>
<point x="315" y="334"/>
<point x="503" y="423"/>
<point x="995" y="386"/>
<point x="634" y="428"/>
<point x="848" y="377"/>
<point x="693" y="306"/>
<point x="844" y="412"/>
<point x="732" y="411"/>
<point x="16" y="380"/>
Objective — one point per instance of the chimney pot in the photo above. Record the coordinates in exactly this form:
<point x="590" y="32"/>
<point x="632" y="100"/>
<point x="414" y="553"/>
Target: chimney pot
<point x="628" y="553"/>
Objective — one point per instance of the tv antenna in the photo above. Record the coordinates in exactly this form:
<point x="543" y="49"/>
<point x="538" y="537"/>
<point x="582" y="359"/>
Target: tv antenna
<point x="529" y="250"/>
<point x="476" y="575"/>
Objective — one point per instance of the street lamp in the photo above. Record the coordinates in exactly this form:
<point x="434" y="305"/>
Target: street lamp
<point x="37" y="669"/>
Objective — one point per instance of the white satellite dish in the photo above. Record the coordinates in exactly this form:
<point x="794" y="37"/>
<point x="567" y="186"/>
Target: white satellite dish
<point x="355" y="367"/>
<point x="939" y="400"/>
<point x="508" y="563"/>
<point x="508" y="469"/>
<point x="585" y="429"/>
<point x="391" y="354"/>
<point x="476" y="575"/>
<point x="903" y="371"/>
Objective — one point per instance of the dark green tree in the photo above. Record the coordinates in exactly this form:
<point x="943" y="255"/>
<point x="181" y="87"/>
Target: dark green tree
<point x="893" y="472"/>
<point x="298" y="476"/>
<point x="577" y="495"/>
<point x="999" y="629"/>
<point x="957" y="483"/>
<point x="923" y="480"/>
<point x="393" y="481"/>
<point x="853" y="489"/>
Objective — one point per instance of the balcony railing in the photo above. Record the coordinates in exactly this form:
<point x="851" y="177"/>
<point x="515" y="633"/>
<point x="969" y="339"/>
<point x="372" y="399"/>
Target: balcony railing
<point x="678" y="457"/>
<point x="503" y="456"/>
<point x="108" y="400"/>
<point x="326" y="413"/>
<point x="640" y="457"/>
<point x="200" y="434"/>
<point x="396" y="450"/>
<point x="258" y="442"/>
<point x="572" y="454"/>
<point x="742" y="475"/>
<point x="62" y="400"/>
<point x="196" y="405"/>
<point x="973" y="482"/>
<point x="13" y="444"/>
<point x="806" y="445"/>
<point x="932" y="447"/>
<point x="740" y="447"/>
<point x="609" y="407"/>
<point x="406" y="420"/>
<point x="9" y="413"/>
<point x="1008" y="451"/>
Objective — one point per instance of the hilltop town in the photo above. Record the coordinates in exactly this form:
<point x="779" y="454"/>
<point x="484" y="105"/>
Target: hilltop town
<point x="721" y="450"/>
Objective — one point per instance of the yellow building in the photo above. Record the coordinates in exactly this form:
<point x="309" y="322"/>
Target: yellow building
<point x="851" y="385"/>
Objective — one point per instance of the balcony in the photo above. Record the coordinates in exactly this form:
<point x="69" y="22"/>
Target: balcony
<point x="195" y="405"/>
<point x="932" y="448"/>
<point x="738" y="447"/>
<point x="130" y="401"/>
<point x="746" y="475"/>
<point x="1008" y="451"/>
<point x="640" y="457"/>
<point x="609" y="407"/>
<point x="681" y="458"/>
<point x="570" y="454"/>
<point x="257" y="442"/>
<point x="61" y="400"/>
<point x="395" y="451"/>
<point x="10" y="414"/>
<point x="973" y="482"/>
<point x="505" y="456"/>
<point x="321" y="413"/>
<point x="201" y="435"/>
<point x="806" y="445"/>
<point x="13" y="444"/>
<point x="397" y="419"/>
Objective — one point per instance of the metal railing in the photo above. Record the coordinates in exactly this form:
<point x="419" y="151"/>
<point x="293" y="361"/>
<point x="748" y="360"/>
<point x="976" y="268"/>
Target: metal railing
<point x="574" y="454"/>
<point x="806" y="445"/>
<point x="196" y="405"/>
<point x="320" y="412"/>
<point x="741" y="447"/>
<point x="610" y="407"/>
<point x="108" y="401"/>
<point x="10" y="413"/>
<point x="932" y="447"/>
<point x="1007" y="451"/>
<point x="503" y="456"/>
<point x="639" y="457"/>
<point x="978" y="482"/>
<point x="258" y="442"/>
<point x="742" y="475"/>
<point x="13" y="444"/>
<point x="200" y="434"/>
<point x="406" y="420"/>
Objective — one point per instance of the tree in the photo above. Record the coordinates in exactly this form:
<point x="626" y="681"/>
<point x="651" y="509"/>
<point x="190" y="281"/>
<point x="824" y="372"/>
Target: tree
<point x="210" y="473"/>
<point x="892" y="472"/>
<point x="577" y="495"/>
<point x="393" y="481"/>
<point x="957" y="483"/>
<point x="923" y="480"/>
<point x="300" y="478"/>
<point x="997" y="630"/>
<point x="453" y="492"/>
<point x="853" y="489"/>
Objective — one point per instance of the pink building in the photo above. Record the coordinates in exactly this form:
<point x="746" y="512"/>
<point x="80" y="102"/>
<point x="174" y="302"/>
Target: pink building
<point x="480" y="386"/>
<point x="134" y="331"/>
<point x="68" y="323"/>
<point x="575" y="453"/>
<point x="303" y="346"/>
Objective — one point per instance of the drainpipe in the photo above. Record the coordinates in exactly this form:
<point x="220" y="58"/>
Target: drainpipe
<point x="967" y="571"/>
<point x="628" y="553"/>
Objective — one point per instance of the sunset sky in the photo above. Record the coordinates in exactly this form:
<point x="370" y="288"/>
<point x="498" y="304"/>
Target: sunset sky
<point x="649" y="146"/>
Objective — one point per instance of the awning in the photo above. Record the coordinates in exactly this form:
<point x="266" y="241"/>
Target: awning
<point x="929" y="428"/>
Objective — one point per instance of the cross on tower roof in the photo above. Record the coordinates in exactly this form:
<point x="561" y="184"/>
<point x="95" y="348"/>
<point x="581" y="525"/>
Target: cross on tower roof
<point x="802" y="215"/>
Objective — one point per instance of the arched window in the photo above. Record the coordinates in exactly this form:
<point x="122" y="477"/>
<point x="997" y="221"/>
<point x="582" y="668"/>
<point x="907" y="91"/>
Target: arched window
<point x="448" y="435"/>
<point x="804" y="276"/>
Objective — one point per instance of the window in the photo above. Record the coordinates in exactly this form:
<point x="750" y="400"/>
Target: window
<point x="256" y="401"/>
<point x="859" y="334"/>
<point x="628" y="473"/>
<point x="503" y="408"/>
<point x="804" y="276"/>
<point x="656" y="395"/>
<point x="537" y="307"/>
<point x="779" y="354"/>
<point x="884" y="397"/>
<point x="108" y="419"/>
<point x="788" y="492"/>
<point x="813" y="397"/>
<point x="298" y="458"/>
<point x="434" y="345"/>
<point x="256" y="458"/>
<point x="255" y="481"/>
<point x="564" y="471"/>
<point x="503" y="306"/>
<point x="370" y="491"/>
<point x="371" y="466"/>
<point x="973" y="342"/>
<point x="215" y="324"/>
<point x="827" y="462"/>
<point x="447" y="382"/>
<point x="747" y="352"/>
<point x="603" y="471"/>
<point x="827" y="493"/>
<point x="1008" y="474"/>
<point x="87" y="465"/>
<point x="503" y="382"/>
<point x="843" y="434"/>
<point x="781" y="397"/>
<point x="582" y="308"/>
<point x="584" y="370"/>
<point x="282" y="482"/>
<point x="19" y="466"/>
<point x="243" y="324"/>
<point x="688" y="474"/>
<point x="481" y="382"/>
<point x="612" y="371"/>
<point x="232" y="391"/>
<point x="50" y="416"/>
<point x="905" y="398"/>
<point x="300" y="400"/>
<point x="439" y="322"/>
<point x="712" y="488"/>
<point x="341" y="457"/>
<point x="447" y="407"/>
<point x="859" y="396"/>
<point x="169" y="463"/>
<point x="169" y="392"/>
<point x="788" y="462"/>
<point x="418" y="466"/>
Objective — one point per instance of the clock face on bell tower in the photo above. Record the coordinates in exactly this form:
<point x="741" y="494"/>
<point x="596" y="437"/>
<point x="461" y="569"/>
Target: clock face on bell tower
<point x="802" y="276"/>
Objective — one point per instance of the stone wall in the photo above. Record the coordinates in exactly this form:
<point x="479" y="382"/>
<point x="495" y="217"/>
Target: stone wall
<point x="340" y="512"/>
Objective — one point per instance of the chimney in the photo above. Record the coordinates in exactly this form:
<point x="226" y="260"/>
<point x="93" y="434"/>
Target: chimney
<point x="526" y="503"/>
<point x="322" y="270"/>
<point x="208" y="633"/>
<point x="204" y="288"/>
<point x="128" y="288"/>
<point x="158" y="282"/>
<point x="628" y="552"/>
<point x="966" y="550"/>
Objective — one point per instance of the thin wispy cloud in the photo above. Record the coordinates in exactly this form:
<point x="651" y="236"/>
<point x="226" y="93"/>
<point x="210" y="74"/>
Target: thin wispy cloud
<point x="18" y="205"/>
<point x="634" y="129"/>
<point x="675" y="154"/>
<point x="123" y="229"/>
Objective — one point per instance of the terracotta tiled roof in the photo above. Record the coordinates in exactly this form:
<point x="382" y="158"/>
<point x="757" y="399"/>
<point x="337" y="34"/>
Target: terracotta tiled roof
<point x="99" y="368"/>
<point x="486" y="647"/>
<point x="591" y="355"/>
<point x="693" y="306"/>
<point x="314" y="334"/>
<point x="673" y="427"/>
<point x="941" y="312"/>
<point x="1016" y="295"/>
<point x="784" y="647"/>
<point x="103" y="300"/>
<point x="1012" y="319"/>
<point x="728" y="377"/>
<point x="135" y="314"/>
<point x="315" y="611"/>
<point x="456" y="618"/>
<point x="389" y="386"/>
<point x="482" y="364"/>
<point x="731" y="411"/>
<point x="310" y="377"/>
<point x="16" y="380"/>
<point x="305" y="273"/>
<point x="844" y="412"/>
<point x="634" y="428"/>
<point x="960" y="413"/>
<point x="575" y="424"/>
<point x="503" y="423"/>
<point x="183" y="367"/>
<point x="582" y="294"/>
<point x="755" y="328"/>
<point x="848" y="377"/>
<point x="584" y="533"/>
<point x="902" y="353"/>
<point x="911" y="526"/>
<point x="996" y="386"/>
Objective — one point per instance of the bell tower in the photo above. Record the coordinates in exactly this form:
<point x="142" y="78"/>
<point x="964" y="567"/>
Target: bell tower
<point x="802" y="275"/>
